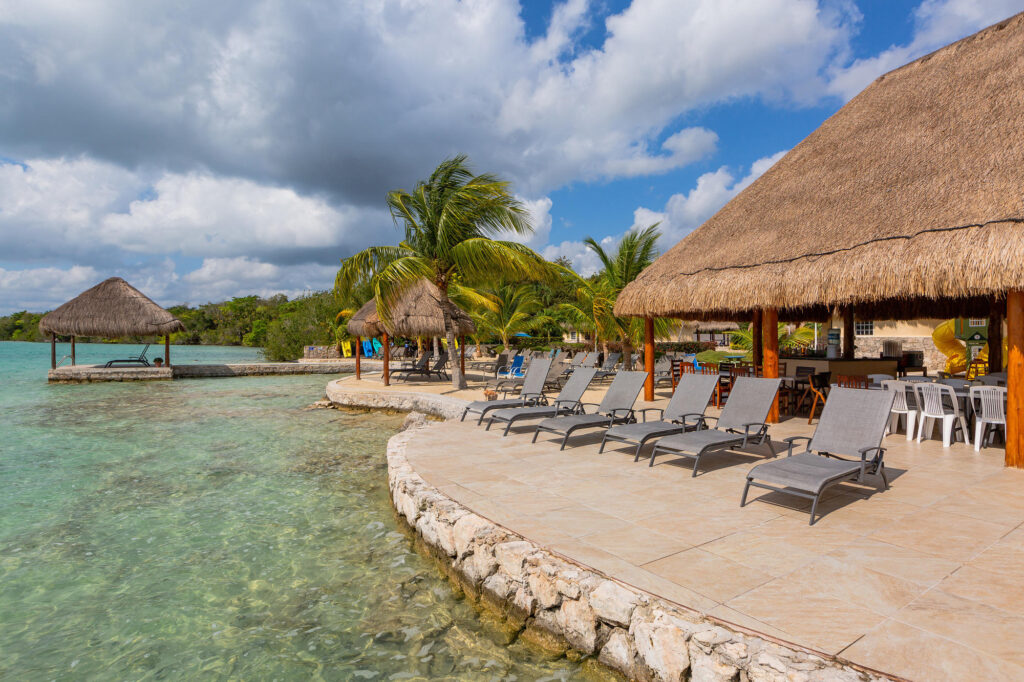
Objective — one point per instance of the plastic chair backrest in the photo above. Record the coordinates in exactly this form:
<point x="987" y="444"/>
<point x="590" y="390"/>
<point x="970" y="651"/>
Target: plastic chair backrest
<point x="930" y="400"/>
<point x="899" y="388"/>
<point x="993" y="402"/>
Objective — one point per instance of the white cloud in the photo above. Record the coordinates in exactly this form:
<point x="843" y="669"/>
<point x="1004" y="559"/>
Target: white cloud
<point x="936" y="24"/>
<point x="39" y="289"/>
<point x="222" y="278"/>
<point x="685" y="212"/>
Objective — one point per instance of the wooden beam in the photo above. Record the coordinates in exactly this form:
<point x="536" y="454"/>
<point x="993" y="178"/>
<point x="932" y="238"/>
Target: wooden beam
<point x="770" y="335"/>
<point x="755" y="337"/>
<point x="53" y="351"/>
<point x="1015" y="379"/>
<point x="167" y="350"/>
<point x="359" y="348"/>
<point x="73" y="362"/>
<point x="995" y="337"/>
<point x="649" y="358"/>
<point x="848" y="333"/>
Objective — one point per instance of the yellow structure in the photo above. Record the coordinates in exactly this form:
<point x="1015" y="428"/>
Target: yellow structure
<point x="954" y="349"/>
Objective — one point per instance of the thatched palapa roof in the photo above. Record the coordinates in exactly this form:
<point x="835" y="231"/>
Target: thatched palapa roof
<point x="909" y="200"/>
<point x="365" y="322"/>
<point x="113" y="308"/>
<point x="417" y="312"/>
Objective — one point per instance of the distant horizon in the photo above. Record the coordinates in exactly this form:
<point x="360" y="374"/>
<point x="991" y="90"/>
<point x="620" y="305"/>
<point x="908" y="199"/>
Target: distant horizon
<point x="245" y="152"/>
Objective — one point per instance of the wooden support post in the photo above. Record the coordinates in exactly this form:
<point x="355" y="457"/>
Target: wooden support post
<point x="73" y="362"/>
<point x="53" y="351"/>
<point x="995" y="337"/>
<point x="1015" y="379"/>
<point x="387" y="359"/>
<point x="462" y="356"/>
<point x="848" y="333"/>
<point x="167" y="350"/>
<point x="755" y="338"/>
<point x="770" y="337"/>
<point x="649" y="358"/>
<point x="359" y="350"/>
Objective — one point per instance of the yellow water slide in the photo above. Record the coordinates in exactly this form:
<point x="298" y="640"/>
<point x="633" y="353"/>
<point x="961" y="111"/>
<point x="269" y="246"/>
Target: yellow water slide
<point x="954" y="349"/>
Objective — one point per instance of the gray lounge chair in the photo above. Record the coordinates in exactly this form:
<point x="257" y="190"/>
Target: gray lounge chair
<point x="139" y="360"/>
<point x="567" y="402"/>
<point x="663" y="370"/>
<point x="532" y="392"/>
<point x="851" y="425"/>
<point x="747" y="408"/>
<point x="417" y="367"/>
<point x="684" y="412"/>
<point x="615" y="408"/>
<point x="608" y="366"/>
<point x="421" y="368"/>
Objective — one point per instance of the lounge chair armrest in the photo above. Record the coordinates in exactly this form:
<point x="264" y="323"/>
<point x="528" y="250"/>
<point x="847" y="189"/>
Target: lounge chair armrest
<point x="572" y="405"/>
<point x="706" y="418"/>
<point x="762" y="430"/>
<point x="864" y="452"/>
<point x="693" y="417"/>
<point x="584" y="406"/>
<point x="627" y="413"/>
<point x="644" y="411"/>
<point x="791" y="441"/>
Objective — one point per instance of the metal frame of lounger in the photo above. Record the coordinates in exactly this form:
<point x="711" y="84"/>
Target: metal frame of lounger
<point x="615" y="408"/>
<point x="531" y="393"/>
<point x="852" y="424"/>
<point x="684" y="412"/>
<point x="140" y="360"/>
<point x="567" y="402"/>
<point x="419" y="367"/>
<point x="748" y="406"/>
<point x="608" y="366"/>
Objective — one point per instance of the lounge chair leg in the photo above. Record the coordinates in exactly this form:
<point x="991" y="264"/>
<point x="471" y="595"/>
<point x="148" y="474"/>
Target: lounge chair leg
<point x="464" y="415"/>
<point x="480" y="420"/>
<point x="604" y="439"/>
<point x="489" y="422"/>
<point x="565" y="439"/>
<point x="507" y="427"/>
<point x="881" y="472"/>
<point x="654" y="453"/>
<point x="535" y="432"/>
<point x="696" y="462"/>
<point x="814" y="508"/>
<point x="746" y="489"/>
<point x="636" y="456"/>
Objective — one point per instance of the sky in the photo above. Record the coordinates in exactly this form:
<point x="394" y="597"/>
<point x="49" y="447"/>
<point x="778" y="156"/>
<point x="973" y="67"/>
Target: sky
<point x="204" y="150"/>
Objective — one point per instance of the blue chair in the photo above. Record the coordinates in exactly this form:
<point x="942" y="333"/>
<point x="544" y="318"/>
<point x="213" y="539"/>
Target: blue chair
<point x="514" y="370"/>
<point x="377" y="346"/>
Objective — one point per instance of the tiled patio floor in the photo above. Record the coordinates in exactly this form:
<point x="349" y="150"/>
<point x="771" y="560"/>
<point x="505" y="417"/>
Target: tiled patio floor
<point x="925" y="580"/>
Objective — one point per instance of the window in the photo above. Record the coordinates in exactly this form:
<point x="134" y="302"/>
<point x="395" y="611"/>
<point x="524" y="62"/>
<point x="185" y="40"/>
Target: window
<point x="572" y="336"/>
<point x="864" y="328"/>
<point x="977" y="323"/>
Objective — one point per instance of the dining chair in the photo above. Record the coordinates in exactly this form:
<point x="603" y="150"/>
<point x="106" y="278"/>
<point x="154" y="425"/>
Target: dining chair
<point x="990" y="407"/>
<point x="818" y="387"/>
<point x="851" y="381"/>
<point x="902" y="408"/>
<point x="940" y="402"/>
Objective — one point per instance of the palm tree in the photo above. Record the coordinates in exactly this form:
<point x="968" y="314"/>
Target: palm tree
<point x="511" y="309"/>
<point x="449" y="221"/>
<point x="790" y="337"/>
<point x="636" y="251"/>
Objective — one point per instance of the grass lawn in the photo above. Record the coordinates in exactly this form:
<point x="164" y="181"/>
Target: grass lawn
<point x="718" y="356"/>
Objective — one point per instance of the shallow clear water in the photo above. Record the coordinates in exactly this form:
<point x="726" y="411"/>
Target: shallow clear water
<point x="214" y="528"/>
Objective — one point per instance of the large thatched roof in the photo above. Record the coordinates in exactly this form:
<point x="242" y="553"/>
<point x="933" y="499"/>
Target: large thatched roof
<point x="417" y="312"/>
<point x="113" y="308"/>
<point x="911" y="193"/>
<point x="365" y="322"/>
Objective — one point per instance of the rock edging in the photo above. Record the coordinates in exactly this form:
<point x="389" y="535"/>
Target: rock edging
<point x="565" y="607"/>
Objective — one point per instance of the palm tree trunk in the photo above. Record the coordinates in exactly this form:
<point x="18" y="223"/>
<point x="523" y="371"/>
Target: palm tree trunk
<point x="458" y="380"/>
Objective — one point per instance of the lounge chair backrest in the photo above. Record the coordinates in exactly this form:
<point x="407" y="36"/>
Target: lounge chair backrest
<point x="663" y="364"/>
<point x="588" y="360"/>
<point x="623" y="392"/>
<point x="576" y="359"/>
<point x="691" y="396"/>
<point x="441" y="361"/>
<point x="577" y="384"/>
<point x="853" y="419"/>
<point x="421" y="363"/>
<point x="611" y="361"/>
<point x="749" y="402"/>
<point x="536" y="375"/>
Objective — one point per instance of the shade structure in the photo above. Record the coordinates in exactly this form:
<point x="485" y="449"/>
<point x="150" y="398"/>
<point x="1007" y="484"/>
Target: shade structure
<point x="113" y="308"/>
<point x="907" y="202"/>
<point x="365" y="322"/>
<point x="417" y="312"/>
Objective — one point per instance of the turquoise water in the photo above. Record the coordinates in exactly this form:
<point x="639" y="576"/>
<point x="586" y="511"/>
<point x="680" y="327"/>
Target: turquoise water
<point x="215" y="529"/>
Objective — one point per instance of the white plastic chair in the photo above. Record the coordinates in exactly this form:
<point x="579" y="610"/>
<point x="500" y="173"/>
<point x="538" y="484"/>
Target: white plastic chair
<point x="900" y="407"/>
<point x="879" y="378"/>
<point x="929" y="400"/>
<point x="919" y="380"/>
<point x="990" y="402"/>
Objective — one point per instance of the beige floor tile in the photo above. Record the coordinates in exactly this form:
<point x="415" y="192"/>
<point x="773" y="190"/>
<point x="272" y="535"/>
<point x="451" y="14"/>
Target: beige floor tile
<point x="856" y="584"/>
<point x="1002" y="590"/>
<point x="770" y="555"/>
<point x="814" y="620"/>
<point x="578" y="521"/>
<point x="916" y="654"/>
<point x="710" y="574"/>
<point x="908" y="564"/>
<point x="652" y="583"/>
<point x="942" y="534"/>
<point x="971" y="623"/>
<point x="733" y="618"/>
<point x="635" y="546"/>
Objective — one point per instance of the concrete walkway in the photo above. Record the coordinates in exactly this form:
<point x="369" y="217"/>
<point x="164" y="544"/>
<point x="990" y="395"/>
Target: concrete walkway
<point x="921" y="581"/>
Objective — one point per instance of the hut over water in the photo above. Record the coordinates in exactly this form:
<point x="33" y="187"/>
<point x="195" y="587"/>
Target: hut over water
<point x="907" y="203"/>
<point x="111" y="309"/>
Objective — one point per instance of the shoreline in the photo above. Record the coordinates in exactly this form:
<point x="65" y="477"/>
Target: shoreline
<point x="565" y="606"/>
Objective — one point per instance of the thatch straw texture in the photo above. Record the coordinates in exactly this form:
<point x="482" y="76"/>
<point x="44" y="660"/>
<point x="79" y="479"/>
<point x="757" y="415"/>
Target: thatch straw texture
<point x="113" y="308"/>
<point x="365" y="322"/>
<point x="911" y="194"/>
<point x="417" y="312"/>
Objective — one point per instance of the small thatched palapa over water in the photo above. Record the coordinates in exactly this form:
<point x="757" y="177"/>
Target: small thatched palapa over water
<point x="907" y="203"/>
<point x="111" y="309"/>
